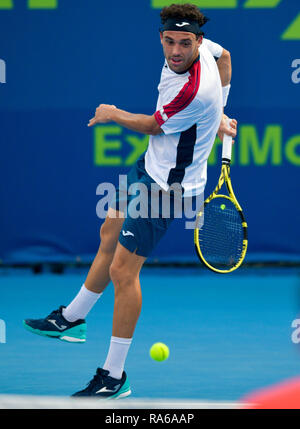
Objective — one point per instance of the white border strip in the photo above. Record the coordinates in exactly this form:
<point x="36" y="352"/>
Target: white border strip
<point x="62" y="402"/>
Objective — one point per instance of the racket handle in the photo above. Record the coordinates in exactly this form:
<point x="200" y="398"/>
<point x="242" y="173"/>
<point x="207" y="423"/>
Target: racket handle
<point x="227" y="146"/>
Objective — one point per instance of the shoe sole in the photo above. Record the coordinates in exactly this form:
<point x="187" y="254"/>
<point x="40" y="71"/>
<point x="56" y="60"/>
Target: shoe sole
<point x="123" y="392"/>
<point x="122" y="395"/>
<point x="63" y="336"/>
<point x="107" y="398"/>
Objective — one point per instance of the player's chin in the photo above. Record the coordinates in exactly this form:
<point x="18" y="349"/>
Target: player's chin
<point x="178" y="68"/>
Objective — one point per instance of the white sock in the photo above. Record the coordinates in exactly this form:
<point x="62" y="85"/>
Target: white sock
<point x="116" y="357"/>
<point x="81" y="305"/>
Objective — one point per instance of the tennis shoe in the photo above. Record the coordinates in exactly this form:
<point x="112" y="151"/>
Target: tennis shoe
<point x="56" y="326"/>
<point x="103" y="386"/>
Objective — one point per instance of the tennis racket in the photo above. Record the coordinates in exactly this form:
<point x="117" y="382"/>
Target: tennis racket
<point x="220" y="234"/>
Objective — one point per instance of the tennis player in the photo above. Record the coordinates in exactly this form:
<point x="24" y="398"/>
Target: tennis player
<point x="193" y="90"/>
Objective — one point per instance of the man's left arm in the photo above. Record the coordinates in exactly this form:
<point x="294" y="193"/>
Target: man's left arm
<point x="225" y="71"/>
<point x="223" y="60"/>
<point x="224" y="66"/>
<point x="139" y="123"/>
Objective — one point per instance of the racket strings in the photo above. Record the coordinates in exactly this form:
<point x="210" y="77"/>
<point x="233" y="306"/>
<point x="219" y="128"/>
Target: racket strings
<point x="221" y="235"/>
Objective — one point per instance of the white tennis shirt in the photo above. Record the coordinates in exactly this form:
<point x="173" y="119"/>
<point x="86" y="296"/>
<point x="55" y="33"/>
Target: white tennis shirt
<point x="189" y="111"/>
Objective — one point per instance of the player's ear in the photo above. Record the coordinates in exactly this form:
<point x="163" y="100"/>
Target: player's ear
<point x="161" y="36"/>
<point x="199" y="40"/>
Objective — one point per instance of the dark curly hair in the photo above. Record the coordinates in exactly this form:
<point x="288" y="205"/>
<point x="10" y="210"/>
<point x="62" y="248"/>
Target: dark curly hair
<point x="183" y="11"/>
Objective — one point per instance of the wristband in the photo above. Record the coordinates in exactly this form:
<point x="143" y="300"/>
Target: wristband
<point x="225" y="90"/>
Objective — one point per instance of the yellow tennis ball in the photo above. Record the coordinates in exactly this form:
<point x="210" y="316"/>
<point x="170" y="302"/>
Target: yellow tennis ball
<point x="159" y="352"/>
<point x="223" y="206"/>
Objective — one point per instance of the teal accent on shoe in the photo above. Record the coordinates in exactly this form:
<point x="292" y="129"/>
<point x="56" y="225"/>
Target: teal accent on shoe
<point x="122" y="392"/>
<point x="78" y="331"/>
<point x="72" y="335"/>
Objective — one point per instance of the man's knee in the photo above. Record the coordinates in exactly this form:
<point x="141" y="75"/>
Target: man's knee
<point x="109" y="234"/>
<point x="120" y="275"/>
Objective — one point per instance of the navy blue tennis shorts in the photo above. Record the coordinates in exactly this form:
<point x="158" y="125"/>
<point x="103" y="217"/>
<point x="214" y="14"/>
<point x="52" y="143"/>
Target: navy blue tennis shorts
<point x="147" y="215"/>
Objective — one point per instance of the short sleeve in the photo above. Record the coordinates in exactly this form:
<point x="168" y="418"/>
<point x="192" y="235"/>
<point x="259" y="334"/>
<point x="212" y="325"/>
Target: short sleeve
<point x="214" y="48"/>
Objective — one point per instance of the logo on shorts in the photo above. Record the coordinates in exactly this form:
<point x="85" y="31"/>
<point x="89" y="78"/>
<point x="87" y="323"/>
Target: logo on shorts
<point x="126" y="233"/>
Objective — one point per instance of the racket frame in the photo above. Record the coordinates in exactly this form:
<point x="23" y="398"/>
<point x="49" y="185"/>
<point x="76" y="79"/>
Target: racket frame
<point x="224" y="177"/>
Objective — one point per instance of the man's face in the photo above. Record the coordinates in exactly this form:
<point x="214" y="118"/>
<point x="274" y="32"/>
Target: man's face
<point x="180" y="49"/>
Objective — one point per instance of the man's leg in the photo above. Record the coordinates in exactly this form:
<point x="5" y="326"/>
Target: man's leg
<point x="111" y="380"/>
<point x="68" y="323"/>
<point x="98" y="277"/>
<point x="124" y="273"/>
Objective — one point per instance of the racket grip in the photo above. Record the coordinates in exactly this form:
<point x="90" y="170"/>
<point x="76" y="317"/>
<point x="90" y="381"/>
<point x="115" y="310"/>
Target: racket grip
<point x="227" y="146"/>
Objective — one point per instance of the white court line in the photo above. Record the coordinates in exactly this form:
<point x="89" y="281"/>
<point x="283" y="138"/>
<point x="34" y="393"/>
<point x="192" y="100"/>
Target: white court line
<point x="62" y="402"/>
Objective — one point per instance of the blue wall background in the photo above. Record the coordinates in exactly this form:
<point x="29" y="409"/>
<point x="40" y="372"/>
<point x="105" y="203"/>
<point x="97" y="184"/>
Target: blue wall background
<point x="62" y="63"/>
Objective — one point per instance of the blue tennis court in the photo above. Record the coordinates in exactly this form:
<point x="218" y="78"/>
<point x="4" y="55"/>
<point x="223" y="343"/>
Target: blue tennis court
<point x="227" y="335"/>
